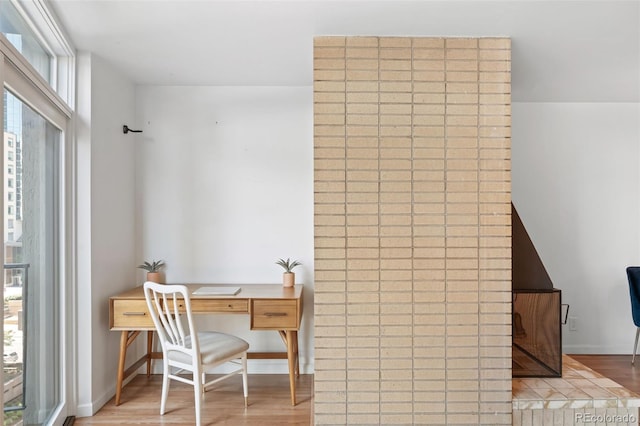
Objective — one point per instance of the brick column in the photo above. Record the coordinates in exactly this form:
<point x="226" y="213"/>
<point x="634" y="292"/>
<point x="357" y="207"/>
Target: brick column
<point x="412" y="230"/>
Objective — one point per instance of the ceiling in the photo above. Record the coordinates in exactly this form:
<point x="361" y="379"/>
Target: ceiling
<point x="562" y="51"/>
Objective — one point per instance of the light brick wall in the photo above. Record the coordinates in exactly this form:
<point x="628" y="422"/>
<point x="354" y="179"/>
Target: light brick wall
<point x="412" y="231"/>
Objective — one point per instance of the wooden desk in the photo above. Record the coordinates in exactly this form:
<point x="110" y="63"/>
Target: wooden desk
<point x="271" y="307"/>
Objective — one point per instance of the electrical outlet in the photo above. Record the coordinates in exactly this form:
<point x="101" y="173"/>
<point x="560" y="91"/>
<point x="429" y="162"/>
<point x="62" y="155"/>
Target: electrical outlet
<point x="573" y="324"/>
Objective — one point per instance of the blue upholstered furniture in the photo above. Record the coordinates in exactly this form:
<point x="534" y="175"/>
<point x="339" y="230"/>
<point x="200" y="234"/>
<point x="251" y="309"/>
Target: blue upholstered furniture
<point x="633" y="274"/>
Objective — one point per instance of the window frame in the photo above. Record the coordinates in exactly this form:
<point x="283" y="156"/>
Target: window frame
<point x="55" y="103"/>
<point x="54" y="40"/>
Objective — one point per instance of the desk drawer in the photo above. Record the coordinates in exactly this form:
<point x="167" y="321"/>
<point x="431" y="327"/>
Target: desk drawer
<point x="215" y="306"/>
<point x="131" y="314"/>
<point x="219" y="306"/>
<point x="274" y="315"/>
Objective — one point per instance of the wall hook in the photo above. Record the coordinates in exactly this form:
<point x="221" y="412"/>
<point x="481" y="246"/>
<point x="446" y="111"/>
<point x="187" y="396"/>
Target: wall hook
<point x="126" y="129"/>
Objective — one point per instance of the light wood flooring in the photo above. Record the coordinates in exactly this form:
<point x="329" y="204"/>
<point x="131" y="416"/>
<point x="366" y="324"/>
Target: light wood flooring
<point x="616" y="367"/>
<point x="269" y="403"/>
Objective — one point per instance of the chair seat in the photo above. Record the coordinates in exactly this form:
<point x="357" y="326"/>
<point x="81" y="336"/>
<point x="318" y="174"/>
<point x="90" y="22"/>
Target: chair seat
<point x="214" y="347"/>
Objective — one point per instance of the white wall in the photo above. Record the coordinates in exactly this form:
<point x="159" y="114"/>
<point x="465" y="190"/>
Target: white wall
<point x="106" y="260"/>
<point x="224" y="187"/>
<point x="576" y="187"/>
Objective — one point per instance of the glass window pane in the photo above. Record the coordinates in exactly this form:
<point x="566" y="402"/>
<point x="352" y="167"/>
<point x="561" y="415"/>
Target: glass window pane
<point x="31" y="265"/>
<point x="16" y="30"/>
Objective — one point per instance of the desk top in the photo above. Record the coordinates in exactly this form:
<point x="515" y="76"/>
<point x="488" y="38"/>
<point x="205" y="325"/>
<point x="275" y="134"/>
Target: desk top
<point x="248" y="291"/>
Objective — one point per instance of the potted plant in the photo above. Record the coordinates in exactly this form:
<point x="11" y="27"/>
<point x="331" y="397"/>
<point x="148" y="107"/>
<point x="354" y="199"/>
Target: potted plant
<point x="153" y="270"/>
<point x="288" y="278"/>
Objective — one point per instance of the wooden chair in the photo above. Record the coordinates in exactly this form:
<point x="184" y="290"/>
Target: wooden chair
<point x="168" y="306"/>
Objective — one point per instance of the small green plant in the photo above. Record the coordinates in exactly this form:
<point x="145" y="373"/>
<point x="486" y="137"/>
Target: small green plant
<point x="288" y="265"/>
<point x="13" y="297"/>
<point x="153" y="266"/>
<point x="8" y="337"/>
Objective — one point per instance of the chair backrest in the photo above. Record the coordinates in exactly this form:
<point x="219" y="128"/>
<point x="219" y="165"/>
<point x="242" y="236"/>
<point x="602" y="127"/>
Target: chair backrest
<point x="633" y="274"/>
<point x="169" y="305"/>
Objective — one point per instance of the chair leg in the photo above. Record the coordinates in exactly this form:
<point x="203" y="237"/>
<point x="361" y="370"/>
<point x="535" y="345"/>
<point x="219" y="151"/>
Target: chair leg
<point x="198" y="394"/>
<point x="635" y="346"/>
<point x="244" y="380"/>
<point x="165" y="387"/>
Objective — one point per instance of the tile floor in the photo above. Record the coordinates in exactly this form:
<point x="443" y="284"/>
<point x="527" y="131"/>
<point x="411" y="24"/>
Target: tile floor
<point x="580" y="396"/>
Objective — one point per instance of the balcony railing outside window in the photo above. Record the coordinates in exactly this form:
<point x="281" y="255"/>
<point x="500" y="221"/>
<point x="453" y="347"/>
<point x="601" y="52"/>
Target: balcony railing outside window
<point x="15" y="340"/>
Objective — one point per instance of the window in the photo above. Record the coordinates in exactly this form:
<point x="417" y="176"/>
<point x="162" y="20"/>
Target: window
<point x="32" y="32"/>
<point x="35" y="247"/>
<point x="35" y="64"/>
<point x="23" y="38"/>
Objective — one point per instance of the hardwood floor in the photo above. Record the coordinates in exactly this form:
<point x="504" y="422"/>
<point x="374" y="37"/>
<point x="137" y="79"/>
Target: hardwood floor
<point x="269" y="403"/>
<point x="616" y="367"/>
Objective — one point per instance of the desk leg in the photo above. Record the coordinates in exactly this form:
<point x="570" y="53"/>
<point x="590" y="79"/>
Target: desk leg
<point x="292" y="343"/>
<point x="295" y="343"/>
<point x="124" y="337"/>
<point x="149" y="351"/>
